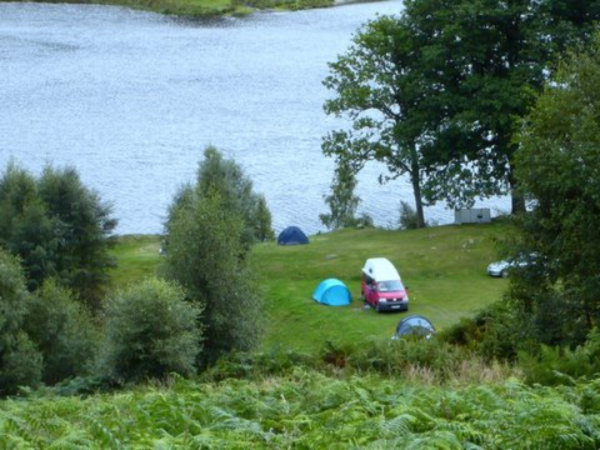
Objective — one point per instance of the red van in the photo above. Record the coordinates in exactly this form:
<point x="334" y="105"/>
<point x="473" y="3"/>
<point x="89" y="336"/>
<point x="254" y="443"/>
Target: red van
<point x="381" y="286"/>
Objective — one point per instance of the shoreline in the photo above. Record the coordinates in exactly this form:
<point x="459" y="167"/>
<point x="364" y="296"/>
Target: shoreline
<point x="206" y="9"/>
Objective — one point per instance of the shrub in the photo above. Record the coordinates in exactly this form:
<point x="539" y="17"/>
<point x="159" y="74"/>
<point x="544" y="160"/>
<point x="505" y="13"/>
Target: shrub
<point x="561" y="365"/>
<point x="341" y="201"/>
<point x="150" y="331"/>
<point x="63" y="330"/>
<point x="20" y="362"/>
<point x="408" y="217"/>
<point x="493" y="333"/>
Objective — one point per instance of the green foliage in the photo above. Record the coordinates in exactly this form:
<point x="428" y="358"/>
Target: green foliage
<point x="310" y="410"/>
<point x="205" y="256"/>
<point x="59" y="228"/>
<point x="562" y="365"/>
<point x="63" y="331"/>
<point x="263" y="230"/>
<point x="226" y="177"/>
<point x="495" y="332"/>
<point x="150" y="331"/>
<point x="83" y="224"/>
<point x="377" y="88"/>
<point x="408" y="217"/>
<point x="342" y="202"/>
<point x="485" y="60"/>
<point x="26" y="229"/>
<point x="20" y="362"/>
<point x="557" y="166"/>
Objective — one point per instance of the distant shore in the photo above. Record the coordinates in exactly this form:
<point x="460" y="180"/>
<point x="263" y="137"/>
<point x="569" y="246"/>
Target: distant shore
<point x="211" y="8"/>
<point x="214" y="8"/>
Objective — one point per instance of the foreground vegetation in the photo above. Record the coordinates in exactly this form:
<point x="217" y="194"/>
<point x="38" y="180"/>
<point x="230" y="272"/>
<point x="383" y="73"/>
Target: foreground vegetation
<point x="308" y="410"/>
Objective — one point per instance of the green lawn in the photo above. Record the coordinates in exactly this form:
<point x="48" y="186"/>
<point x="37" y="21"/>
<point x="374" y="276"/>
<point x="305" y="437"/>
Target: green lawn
<point x="443" y="268"/>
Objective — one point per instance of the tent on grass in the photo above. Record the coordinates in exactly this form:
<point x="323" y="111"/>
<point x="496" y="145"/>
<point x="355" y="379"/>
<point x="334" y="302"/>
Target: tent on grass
<point x="332" y="292"/>
<point x="414" y="325"/>
<point x="292" y="236"/>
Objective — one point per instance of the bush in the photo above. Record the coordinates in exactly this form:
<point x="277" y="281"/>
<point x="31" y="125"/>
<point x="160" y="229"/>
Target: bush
<point x="20" y="362"/>
<point x="561" y="365"/>
<point x="408" y="217"/>
<point x="150" y="331"/>
<point x="494" y="333"/>
<point x="63" y="330"/>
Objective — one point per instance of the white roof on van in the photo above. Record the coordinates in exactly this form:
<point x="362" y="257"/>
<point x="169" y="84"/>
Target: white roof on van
<point x="381" y="269"/>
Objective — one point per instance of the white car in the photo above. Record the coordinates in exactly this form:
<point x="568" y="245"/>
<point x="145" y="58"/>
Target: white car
<point x="502" y="268"/>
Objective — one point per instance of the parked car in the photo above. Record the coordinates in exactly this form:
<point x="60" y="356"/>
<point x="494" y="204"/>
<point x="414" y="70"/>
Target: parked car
<point x="502" y="268"/>
<point x="381" y="286"/>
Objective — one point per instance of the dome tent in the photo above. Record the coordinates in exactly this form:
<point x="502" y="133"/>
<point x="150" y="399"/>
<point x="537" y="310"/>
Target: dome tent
<point x="414" y="325"/>
<point x="292" y="236"/>
<point x="332" y="292"/>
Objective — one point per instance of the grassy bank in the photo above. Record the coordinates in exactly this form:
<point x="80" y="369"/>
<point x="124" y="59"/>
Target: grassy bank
<point x="443" y="267"/>
<point x="208" y="8"/>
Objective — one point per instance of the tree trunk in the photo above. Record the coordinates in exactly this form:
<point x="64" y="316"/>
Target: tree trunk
<point x="415" y="178"/>
<point x="516" y="197"/>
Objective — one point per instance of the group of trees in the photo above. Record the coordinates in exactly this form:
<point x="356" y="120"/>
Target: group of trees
<point x="471" y="98"/>
<point x="558" y="165"/>
<point x="59" y="229"/>
<point x="60" y="319"/>
<point x="435" y="92"/>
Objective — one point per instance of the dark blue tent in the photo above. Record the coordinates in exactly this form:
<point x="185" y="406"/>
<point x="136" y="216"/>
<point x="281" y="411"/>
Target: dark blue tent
<point x="415" y="325"/>
<point x="292" y="236"/>
<point x="332" y="292"/>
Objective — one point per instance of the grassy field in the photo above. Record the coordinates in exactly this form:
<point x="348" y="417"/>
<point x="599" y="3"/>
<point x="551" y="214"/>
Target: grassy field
<point x="477" y="406"/>
<point x="443" y="268"/>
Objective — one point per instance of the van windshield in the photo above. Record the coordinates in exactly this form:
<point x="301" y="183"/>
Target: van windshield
<point x="390" y="286"/>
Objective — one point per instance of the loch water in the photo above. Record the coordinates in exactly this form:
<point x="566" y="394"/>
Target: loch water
<point x="131" y="99"/>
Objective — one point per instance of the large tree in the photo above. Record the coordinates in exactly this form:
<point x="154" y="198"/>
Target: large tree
<point x="435" y="93"/>
<point x="209" y="230"/>
<point x="559" y="168"/>
<point x="490" y="58"/>
<point x="378" y="86"/>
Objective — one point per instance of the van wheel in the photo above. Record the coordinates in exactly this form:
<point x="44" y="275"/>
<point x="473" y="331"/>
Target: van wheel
<point x="377" y="308"/>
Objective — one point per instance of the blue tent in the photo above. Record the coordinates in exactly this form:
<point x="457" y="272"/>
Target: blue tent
<point x="292" y="236"/>
<point x="416" y="325"/>
<point x="332" y="292"/>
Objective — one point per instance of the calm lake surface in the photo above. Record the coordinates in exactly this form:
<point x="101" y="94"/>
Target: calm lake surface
<point x="131" y="99"/>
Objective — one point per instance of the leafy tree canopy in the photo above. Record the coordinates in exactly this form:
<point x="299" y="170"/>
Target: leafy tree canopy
<point x="377" y="85"/>
<point x="487" y="59"/>
<point x="58" y="227"/>
<point x="207" y="243"/>
<point x="558" y="165"/>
